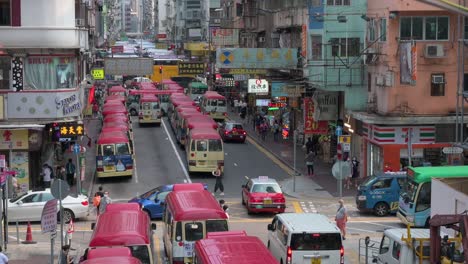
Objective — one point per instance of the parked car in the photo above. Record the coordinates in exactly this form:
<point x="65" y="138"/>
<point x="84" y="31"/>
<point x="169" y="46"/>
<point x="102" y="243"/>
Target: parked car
<point x="263" y="194"/>
<point x="152" y="202"/>
<point x="28" y="206"/>
<point x="231" y="131"/>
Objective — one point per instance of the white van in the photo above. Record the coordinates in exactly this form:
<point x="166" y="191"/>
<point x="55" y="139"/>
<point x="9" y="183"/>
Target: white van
<point x="305" y="238"/>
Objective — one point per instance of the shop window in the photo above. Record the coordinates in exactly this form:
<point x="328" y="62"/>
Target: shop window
<point x="438" y="84"/>
<point x="49" y="73"/>
<point x="5" y="12"/>
<point x="5" y="69"/>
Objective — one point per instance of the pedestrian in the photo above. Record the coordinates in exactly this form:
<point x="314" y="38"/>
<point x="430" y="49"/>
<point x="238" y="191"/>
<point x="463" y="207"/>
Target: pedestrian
<point x="100" y="192"/>
<point x="276" y="131"/>
<point x="315" y="144"/>
<point x="61" y="173"/>
<point x="104" y="202"/>
<point x="257" y="123"/>
<point x="46" y="175"/>
<point x="95" y="109"/>
<point x="263" y="129"/>
<point x="222" y="203"/>
<point x="97" y="199"/>
<point x="3" y="257"/>
<point x="66" y="259"/>
<point x="309" y="145"/>
<point x="348" y="176"/>
<point x="341" y="218"/>
<point x="355" y="171"/>
<point x="218" y="173"/>
<point x="309" y="159"/>
<point x="70" y="170"/>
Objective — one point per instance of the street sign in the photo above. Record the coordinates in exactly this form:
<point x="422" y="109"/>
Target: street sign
<point x="341" y="169"/>
<point x="117" y="49"/>
<point x="58" y="185"/>
<point x="344" y="139"/>
<point x="98" y="73"/>
<point x="338" y="131"/>
<point x="346" y="147"/>
<point x="339" y="152"/>
<point x="446" y="150"/>
<point x="49" y="216"/>
<point x="76" y="148"/>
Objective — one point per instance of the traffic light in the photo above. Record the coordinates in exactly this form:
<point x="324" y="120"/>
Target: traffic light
<point x="160" y="69"/>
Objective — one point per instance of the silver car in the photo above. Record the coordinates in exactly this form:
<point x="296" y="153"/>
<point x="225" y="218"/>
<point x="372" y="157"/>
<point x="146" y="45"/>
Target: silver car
<point x="28" y="206"/>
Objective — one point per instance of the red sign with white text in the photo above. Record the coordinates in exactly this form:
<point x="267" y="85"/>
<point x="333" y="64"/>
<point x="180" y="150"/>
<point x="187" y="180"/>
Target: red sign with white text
<point x="310" y="125"/>
<point x="117" y="49"/>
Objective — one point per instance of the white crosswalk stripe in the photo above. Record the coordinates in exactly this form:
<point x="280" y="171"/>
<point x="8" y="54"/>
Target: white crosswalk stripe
<point x="308" y="207"/>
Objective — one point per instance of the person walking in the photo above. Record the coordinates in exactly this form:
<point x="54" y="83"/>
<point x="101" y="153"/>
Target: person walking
<point x="263" y="129"/>
<point x="106" y="200"/>
<point x="218" y="173"/>
<point x="355" y="171"/>
<point x="61" y="173"/>
<point x="309" y="145"/>
<point x="309" y="159"/>
<point x="46" y="175"/>
<point x="341" y="218"/>
<point x="70" y="170"/>
<point x="3" y="257"/>
<point x="276" y="131"/>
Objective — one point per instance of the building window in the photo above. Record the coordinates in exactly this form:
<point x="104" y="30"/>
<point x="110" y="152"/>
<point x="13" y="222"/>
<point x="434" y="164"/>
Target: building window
<point x="424" y="28"/>
<point x="338" y="2"/>
<point x="5" y="12"/>
<point x="372" y="29"/>
<point x="438" y="84"/>
<point x="339" y="47"/>
<point x="465" y="82"/>
<point x="316" y="3"/>
<point x="5" y="69"/>
<point x="466" y="28"/>
<point x="50" y="73"/>
<point x="383" y="29"/>
<point x="316" y="42"/>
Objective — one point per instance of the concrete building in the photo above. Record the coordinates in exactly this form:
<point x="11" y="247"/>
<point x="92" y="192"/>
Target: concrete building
<point x="412" y="84"/>
<point x="45" y="55"/>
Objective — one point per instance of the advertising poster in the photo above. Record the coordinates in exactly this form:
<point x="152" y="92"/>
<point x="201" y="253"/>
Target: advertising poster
<point x="310" y="125"/>
<point x="20" y="164"/>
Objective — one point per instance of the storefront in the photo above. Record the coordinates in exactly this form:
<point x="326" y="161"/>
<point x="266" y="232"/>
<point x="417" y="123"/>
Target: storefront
<point x="386" y="147"/>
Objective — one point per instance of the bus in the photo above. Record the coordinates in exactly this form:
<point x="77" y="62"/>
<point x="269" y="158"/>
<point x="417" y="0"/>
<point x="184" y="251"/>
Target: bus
<point x="114" y="155"/>
<point x="196" y="121"/>
<point x="150" y="110"/>
<point x="231" y="247"/>
<point x="414" y="206"/>
<point x="125" y="228"/>
<point x="215" y="105"/>
<point x="177" y="106"/>
<point x="165" y="69"/>
<point x="204" y="150"/>
<point x="190" y="213"/>
<point x="196" y="90"/>
<point x="117" y="90"/>
<point x="180" y="130"/>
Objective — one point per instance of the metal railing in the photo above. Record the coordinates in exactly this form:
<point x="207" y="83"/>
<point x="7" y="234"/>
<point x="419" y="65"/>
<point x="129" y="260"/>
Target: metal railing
<point x="367" y="250"/>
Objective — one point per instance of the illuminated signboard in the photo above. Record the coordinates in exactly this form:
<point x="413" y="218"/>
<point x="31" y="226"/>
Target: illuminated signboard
<point x="277" y="105"/>
<point x="67" y="131"/>
<point x="191" y="68"/>
<point x="97" y="73"/>
<point x="258" y="86"/>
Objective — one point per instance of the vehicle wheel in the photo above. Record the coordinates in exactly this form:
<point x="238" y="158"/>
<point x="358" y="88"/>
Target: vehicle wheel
<point x="381" y="209"/>
<point x="268" y="245"/>
<point x="243" y="202"/>
<point x="133" y="112"/>
<point x="68" y="215"/>
<point x="281" y="261"/>
<point x="148" y="212"/>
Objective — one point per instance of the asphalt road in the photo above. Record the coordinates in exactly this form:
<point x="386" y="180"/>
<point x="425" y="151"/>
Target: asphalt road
<point x="159" y="161"/>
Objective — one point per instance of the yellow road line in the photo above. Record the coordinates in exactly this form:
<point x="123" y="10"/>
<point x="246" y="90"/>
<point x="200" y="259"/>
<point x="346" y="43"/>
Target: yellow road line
<point x="297" y="207"/>
<point x="271" y="156"/>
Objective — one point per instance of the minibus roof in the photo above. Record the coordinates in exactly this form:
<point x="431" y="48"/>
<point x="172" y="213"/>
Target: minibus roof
<point x="116" y="118"/>
<point x="213" y="95"/>
<point x="226" y="233"/>
<point x="183" y="102"/>
<point x="114" y="129"/>
<point x="114" y="110"/>
<point x="167" y="81"/>
<point x="123" y="206"/>
<point x="188" y="187"/>
<point x="146" y="86"/>
<point x="121" y="228"/>
<point x="189" y="205"/>
<point x="200" y="123"/>
<point x="116" y="89"/>
<point x="233" y="249"/>
<point x="117" y="123"/>
<point x="112" y="138"/>
<point x="117" y="259"/>
<point x="189" y="112"/>
<point x="109" y="252"/>
<point x="204" y="133"/>
<point x="149" y="98"/>
<point x="115" y="97"/>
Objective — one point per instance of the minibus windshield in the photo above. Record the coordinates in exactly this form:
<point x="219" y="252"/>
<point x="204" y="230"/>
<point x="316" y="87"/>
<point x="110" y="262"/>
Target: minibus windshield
<point x="122" y="149"/>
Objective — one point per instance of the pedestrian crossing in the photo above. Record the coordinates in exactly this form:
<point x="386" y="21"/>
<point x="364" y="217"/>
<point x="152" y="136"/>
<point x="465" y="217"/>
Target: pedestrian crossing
<point x="308" y="207"/>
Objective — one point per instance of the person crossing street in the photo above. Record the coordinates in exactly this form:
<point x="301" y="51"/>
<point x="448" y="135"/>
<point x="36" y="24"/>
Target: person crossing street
<point x="70" y="170"/>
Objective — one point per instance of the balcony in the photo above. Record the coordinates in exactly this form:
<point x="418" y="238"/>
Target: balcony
<point x="44" y="104"/>
<point x="44" y="37"/>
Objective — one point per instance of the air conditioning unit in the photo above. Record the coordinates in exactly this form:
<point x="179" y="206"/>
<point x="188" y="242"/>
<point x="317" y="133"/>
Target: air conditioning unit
<point x="79" y="22"/>
<point x="261" y="39"/>
<point x="438" y="78"/>
<point x="434" y="51"/>
<point x="379" y="80"/>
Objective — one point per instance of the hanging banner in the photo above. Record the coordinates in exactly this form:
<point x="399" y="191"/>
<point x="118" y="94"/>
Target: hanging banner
<point x="310" y="125"/>
<point x="304" y="41"/>
<point x="408" y="63"/>
<point x="20" y="164"/>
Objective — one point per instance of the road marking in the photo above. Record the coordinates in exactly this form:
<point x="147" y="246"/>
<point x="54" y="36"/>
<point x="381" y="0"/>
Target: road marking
<point x="362" y="230"/>
<point x="177" y="153"/>
<point x="158" y="248"/>
<point x="136" y="173"/>
<point x="297" y="207"/>
<point x="271" y="156"/>
<point x="380" y="225"/>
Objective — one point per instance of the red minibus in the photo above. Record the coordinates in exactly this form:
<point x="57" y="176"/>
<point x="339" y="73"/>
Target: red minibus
<point x="125" y="228"/>
<point x="204" y="150"/>
<point x="114" y="155"/>
<point x="232" y="247"/>
<point x="114" y="109"/>
<point x="117" y="90"/>
<point x="191" y="212"/>
<point x="215" y="105"/>
<point x="181" y="127"/>
<point x="115" y="97"/>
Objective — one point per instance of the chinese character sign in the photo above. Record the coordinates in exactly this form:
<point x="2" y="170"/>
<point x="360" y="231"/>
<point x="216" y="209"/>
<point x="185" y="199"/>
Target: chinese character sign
<point x="312" y="126"/>
<point x="257" y="86"/>
<point x="16" y="139"/>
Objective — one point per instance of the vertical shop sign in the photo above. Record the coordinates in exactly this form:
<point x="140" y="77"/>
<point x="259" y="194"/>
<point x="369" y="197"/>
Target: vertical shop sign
<point x="310" y="125"/>
<point x="304" y="41"/>
<point x="20" y="164"/>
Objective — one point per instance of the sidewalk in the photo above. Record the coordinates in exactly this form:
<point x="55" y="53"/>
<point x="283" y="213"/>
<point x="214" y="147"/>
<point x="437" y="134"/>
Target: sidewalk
<point x="321" y="185"/>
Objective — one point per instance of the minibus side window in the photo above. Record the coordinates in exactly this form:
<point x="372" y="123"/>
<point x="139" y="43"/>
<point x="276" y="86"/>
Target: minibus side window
<point x="141" y="252"/>
<point x="221" y="102"/>
<point x="215" y="145"/>
<point x="122" y="149"/>
<point x="280" y="234"/>
<point x="99" y="150"/>
<point x="178" y="231"/>
<point x="216" y="225"/>
<point x="192" y="145"/>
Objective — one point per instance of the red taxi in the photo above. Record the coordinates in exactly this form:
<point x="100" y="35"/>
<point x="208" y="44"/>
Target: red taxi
<point x="231" y="131"/>
<point x="263" y="194"/>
